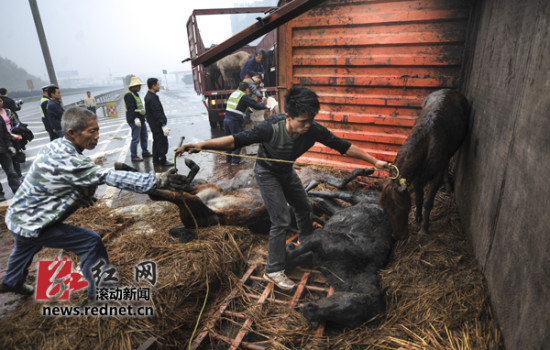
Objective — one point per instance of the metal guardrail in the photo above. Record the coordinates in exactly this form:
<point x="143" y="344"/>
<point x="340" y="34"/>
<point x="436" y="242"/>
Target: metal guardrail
<point x="102" y="100"/>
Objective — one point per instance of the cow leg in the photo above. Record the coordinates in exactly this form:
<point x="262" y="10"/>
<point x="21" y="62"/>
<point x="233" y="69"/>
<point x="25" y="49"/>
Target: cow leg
<point x="351" y="198"/>
<point x="309" y="244"/>
<point x="419" y="198"/>
<point x="193" y="170"/>
<point x="429" y="202"/>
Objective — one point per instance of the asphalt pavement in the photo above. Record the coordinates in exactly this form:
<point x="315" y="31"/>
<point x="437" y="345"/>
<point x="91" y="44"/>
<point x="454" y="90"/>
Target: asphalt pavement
<point x="187" y="117"/>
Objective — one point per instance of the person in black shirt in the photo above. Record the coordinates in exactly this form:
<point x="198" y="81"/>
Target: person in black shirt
<point x="9" y="103"/>
<point x="157" y="123"/>
<point x="286" y="137"/>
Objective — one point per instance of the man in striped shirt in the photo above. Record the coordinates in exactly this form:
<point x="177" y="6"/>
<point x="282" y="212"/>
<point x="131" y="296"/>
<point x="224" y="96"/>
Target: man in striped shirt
<point x="61" y="180"/>
<point x="285" y="137"/>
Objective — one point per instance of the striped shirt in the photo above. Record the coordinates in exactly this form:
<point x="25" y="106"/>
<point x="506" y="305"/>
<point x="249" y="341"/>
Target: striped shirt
<point x="61" y="180"/>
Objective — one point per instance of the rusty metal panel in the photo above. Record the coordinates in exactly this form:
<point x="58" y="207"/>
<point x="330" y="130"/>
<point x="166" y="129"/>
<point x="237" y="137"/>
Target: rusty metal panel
<point x="372" y="63"/>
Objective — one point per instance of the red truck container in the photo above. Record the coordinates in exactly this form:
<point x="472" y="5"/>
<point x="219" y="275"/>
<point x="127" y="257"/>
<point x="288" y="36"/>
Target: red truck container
<point x="207" y="79"/>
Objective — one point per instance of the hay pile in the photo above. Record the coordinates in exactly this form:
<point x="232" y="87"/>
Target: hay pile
<point x="436" y="299"/>
<point x="177" y="297"/>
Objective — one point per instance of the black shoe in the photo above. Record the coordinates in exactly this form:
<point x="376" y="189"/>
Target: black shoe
<point x="167" y="163"/>
<point x="147" y="155"/>
<point x="137" y="159"/>
<point x="23" y="289"/>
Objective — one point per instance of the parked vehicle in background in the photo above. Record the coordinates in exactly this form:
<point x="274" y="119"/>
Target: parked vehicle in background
<point x="215" y="82"/>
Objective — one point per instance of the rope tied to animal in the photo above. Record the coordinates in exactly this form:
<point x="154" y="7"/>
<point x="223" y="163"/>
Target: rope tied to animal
<point x="396" y="169"/>
<point x="260" y="158"/>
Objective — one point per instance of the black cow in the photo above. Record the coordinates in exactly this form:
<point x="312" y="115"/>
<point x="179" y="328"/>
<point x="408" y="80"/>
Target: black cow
<point x="350" y="249"/>
<point x="424" y="158"/>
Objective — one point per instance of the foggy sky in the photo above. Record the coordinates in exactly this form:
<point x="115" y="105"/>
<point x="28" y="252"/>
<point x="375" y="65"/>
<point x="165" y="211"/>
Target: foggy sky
<point x="102" y="37"/>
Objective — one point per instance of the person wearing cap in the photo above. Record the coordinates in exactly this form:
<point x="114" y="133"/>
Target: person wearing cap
<point x="43" y="104"/>
<point x="253" y="65"/>
<point x="135" y="117"/>
<point x="233" y="123"/>
<point x="54" y="112"/>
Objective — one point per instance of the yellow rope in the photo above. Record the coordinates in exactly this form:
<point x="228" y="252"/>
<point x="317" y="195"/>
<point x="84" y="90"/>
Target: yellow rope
<point x="396" y="176"/>
<point x="259" y="158"/>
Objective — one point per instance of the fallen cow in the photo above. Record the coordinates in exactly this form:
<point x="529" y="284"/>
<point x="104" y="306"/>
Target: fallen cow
<point x="350" y="249"/>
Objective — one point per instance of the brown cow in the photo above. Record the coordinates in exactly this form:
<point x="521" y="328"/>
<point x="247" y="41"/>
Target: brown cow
<point x="424" y="158"/>
<point x="230" y="68"/>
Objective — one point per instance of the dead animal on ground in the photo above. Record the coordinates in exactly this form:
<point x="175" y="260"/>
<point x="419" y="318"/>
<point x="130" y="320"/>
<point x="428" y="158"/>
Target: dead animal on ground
<point x="350" y="249"/>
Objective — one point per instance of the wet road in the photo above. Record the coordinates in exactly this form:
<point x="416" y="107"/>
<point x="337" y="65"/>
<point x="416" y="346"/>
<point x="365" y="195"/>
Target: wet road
<point x="186" y="115"/>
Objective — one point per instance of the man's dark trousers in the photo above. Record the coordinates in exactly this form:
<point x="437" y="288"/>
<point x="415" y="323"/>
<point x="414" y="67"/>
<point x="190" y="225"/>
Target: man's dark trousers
<point x="160" y="145"/>
<point x="277" y="190"/>
<point x="84" y="242"/>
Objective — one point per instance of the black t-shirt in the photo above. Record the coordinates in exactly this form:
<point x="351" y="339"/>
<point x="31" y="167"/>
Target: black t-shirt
<point x="275" y="142"/>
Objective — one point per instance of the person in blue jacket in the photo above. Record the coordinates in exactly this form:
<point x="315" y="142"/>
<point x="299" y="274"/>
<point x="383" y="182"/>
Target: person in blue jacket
<point x="253" y="65"/>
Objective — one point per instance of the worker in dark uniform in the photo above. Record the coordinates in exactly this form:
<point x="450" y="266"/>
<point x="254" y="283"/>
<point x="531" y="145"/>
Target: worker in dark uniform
<point x="54" y="111"/>
<point x="157" y="123"/>
<point x="237" y="103"/>
<point x="43" y="111"/>
<point x="285" y="137"/>
<point x="253" y="65"/>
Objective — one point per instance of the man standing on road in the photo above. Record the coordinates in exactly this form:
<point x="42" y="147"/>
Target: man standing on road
<point x="89" y="102"/>
<point x="135" y="117"/>
<point x="54" y="111"/>
<point x="157" y="122"/>
<point x="43" y="105"/>
<point x="233" y="123"/>
<point x="61" y="180"/>
<point x="9" y="103"/>
<point x="285" y="137"/>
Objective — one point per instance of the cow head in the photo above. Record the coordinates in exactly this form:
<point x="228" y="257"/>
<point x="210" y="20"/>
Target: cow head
<point x="396" y="201"/>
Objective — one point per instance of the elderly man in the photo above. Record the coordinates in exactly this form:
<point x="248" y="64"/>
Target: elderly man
<point x="135" y="117"/>
<point x="285" y="137"/>
<point x="61" y="180"/>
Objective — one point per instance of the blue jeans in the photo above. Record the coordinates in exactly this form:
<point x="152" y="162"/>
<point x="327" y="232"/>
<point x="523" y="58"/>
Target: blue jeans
<point x="82" y="241"/>
<point x="138" y="134"/>
<point x="232" y="127"/>
<point x="277" y="190"/>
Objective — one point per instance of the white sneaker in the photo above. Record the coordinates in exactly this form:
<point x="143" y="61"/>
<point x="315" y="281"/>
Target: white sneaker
<point x="280" y="280"/>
